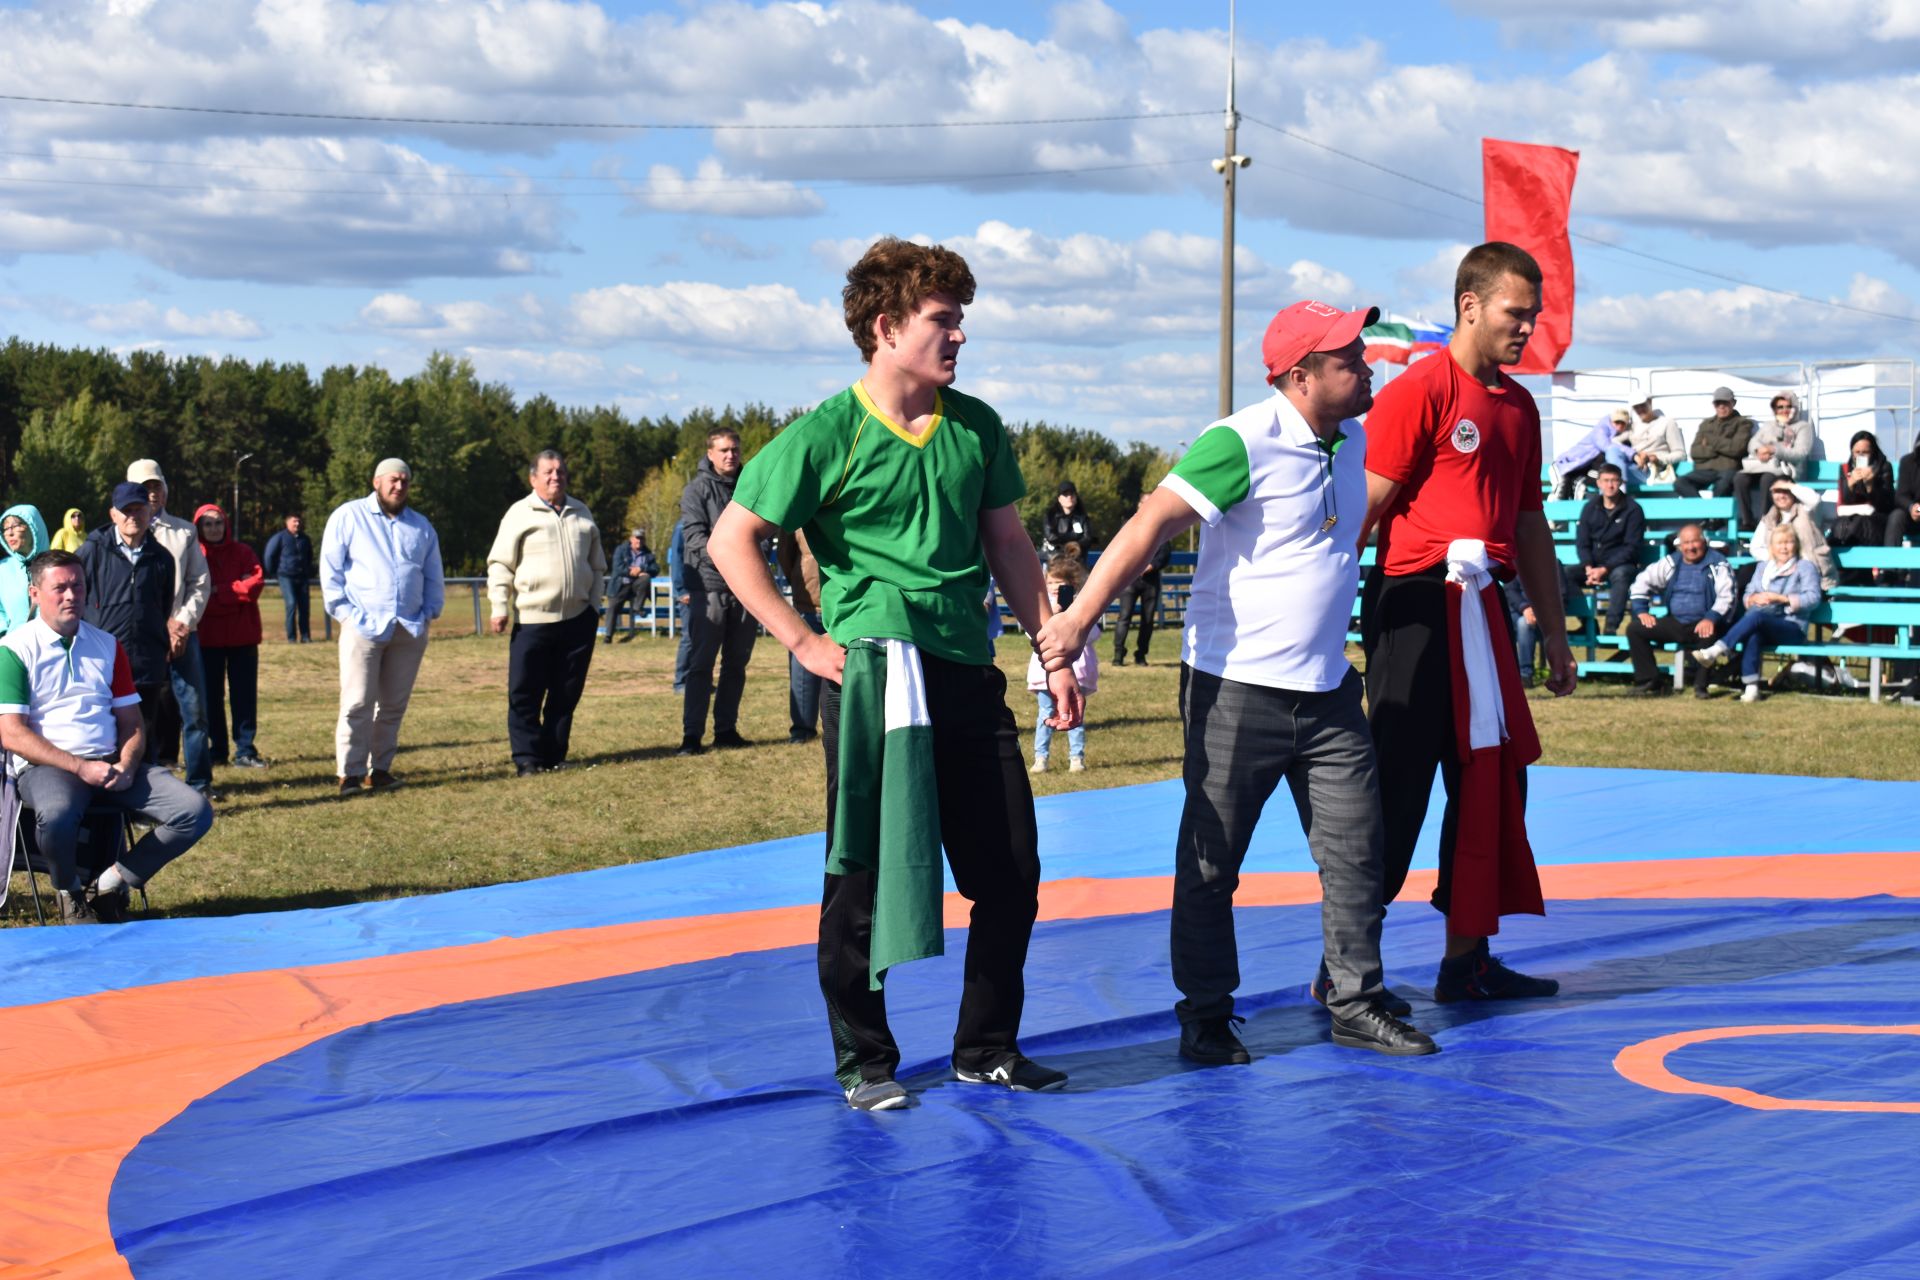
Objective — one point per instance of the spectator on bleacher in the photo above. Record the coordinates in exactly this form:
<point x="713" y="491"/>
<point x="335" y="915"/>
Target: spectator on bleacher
<point x="129" y="595"/>
<point x="187" y="675"/>
<point x="1143" y="593"/>
<point x="288" y="559"/>
<point x="677" y="583"/>
<point x="1576" y="464"/>
<point x="230" y="637"/>
<point x="1697" y="585"/>
<point x="1778" y="448"/>
<point x="802" y="572"/>
<point x="1654" y="445"/>
<point x="631" y="579"/>
<point x="1612" y="527"/>
<point x="1904" y="520"/>
<point x="72" y="531"/>
<point x="544" y="571"/>
<point x="380" y="578"/>
<point x="1794" y="508"/>
<point x="1866" y="501"/>
<point x="24" y="534"/>
<point x="1786" y="587"/>
<point x="718" y="625"/>
<point x="70" y="716"/>
<point x="1719" y="449"/>
<point x="1526" y="623"/>
<point x="1065" y="522"/>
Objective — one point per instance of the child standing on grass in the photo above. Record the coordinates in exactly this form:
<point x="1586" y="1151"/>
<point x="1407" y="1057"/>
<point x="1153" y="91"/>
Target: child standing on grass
<point x="1066" y="574"/>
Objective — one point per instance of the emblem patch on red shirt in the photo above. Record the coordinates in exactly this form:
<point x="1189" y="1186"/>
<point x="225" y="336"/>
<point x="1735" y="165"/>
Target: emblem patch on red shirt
<point x="1466" y="436"/>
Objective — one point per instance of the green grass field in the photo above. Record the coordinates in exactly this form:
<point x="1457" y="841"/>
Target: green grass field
<point x="283" y="839"/>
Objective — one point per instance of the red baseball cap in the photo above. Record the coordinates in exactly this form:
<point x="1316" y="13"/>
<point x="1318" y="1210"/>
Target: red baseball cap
<point x="1306" y="327"/>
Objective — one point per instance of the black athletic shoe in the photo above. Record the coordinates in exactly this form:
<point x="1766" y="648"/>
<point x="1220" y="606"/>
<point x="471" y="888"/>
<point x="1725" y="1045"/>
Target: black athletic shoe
<point x="799" y="737"/>
<point x="112" y="906"/>
<point x="1654" y="690"/>
<point x="1321" y="989"/>
<point x="878" y="1095"/>
<point x="1479" y="975"/>
<point x="1119" y="659"/>
<point x="1018" y="1073"/>
<point x="1376" y="1029"/>
<point x="1212" y="1043"/>
<point x="690" y="747"/>
<point x="77" y="908"/>
<point x="730" y="740"/>
<point x="527" y="770"/>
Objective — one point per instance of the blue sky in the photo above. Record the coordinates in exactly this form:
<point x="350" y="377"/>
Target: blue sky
<point x="669" y="269"/>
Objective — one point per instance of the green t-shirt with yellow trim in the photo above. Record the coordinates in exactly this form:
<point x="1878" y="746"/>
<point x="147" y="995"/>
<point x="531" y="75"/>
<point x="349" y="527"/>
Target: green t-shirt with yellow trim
<point x="893" y="518"/>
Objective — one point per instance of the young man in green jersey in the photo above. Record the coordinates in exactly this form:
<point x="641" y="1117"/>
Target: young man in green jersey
<point x="905" y="490"/>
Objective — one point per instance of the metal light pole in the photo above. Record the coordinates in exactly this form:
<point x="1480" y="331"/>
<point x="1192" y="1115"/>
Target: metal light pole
<point x="1227" y="166"/>
<point x="233" y="521"/>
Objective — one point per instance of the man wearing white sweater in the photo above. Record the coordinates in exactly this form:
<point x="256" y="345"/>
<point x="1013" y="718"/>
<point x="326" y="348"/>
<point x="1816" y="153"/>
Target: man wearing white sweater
<point x="543" y="574"/>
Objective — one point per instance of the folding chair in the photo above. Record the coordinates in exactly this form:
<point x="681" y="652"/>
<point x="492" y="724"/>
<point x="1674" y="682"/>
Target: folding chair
<point x="24" y="856"/>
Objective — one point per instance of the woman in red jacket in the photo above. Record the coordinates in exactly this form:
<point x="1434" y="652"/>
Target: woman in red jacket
<point x="230" y="637"/>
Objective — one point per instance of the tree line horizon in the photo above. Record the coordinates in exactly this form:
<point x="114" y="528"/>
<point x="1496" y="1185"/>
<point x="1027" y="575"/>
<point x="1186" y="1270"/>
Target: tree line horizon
<point x="72" y="418"/>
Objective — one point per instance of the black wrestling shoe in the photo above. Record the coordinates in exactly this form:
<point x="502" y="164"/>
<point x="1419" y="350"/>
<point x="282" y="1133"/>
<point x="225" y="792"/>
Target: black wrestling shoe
<point x="1018" y="1073"/>
<point x="878" y="1095"/>
<point x="1376" y="1029"/>
<point x="1479" y="975"/>
<point x="1321" y="989"/>
<point x="1212" y="1043"/>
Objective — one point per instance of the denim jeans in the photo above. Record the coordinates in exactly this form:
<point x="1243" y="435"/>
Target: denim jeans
<point x="1043" y="732"/>
<point x="190" y="693"/>
<point x="803" y="687"/>
<point x="1756" y="629"/>
<point x="1621" y="456"/>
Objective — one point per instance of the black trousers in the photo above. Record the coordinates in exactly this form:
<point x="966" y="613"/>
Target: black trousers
<point x="546" y="670"/>
<point x="987" y="828"/>
<point x="1409" y="648"/>
<point x="1720" y="481"/>
<point x="1146" y="594"/>
<point x="625" y="595"/>
<point x="1665" y="630"/>
<point x="233" y="669"/>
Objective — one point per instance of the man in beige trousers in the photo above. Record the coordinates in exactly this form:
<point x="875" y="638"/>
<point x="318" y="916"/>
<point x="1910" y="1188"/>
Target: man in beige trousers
<point x="380" y="580"/>
<point x="543" y="575"/>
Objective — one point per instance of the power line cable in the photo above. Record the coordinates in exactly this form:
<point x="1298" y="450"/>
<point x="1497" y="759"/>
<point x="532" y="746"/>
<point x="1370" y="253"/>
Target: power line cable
<point x="594" y="124"/>
<point x="1585" y="238"/>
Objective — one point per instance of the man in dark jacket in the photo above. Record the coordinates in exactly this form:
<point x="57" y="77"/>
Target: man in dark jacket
<point x="1143" y="592"/>
<point x="1719" y="449"/>
<point x="630" y="579"/>
<point x="289" y="558"/>
<point x="717" y="624"/>
<point x="129" y="579"/>
<point x="1608" y="538"/>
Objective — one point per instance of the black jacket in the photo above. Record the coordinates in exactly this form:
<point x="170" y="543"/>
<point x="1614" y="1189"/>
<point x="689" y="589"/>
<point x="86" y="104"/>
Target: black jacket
<point x="130" y="601"/>
<point x="701" y="503"/>
<point x="1061" y="527"/>
<point x="1610" y="538"/>
<point x="1907" y="492"/>
<point x="288" y="555"/>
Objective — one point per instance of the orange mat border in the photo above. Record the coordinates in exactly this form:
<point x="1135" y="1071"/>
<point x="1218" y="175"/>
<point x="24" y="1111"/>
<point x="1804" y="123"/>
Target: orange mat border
<point x="83" y="1080"/>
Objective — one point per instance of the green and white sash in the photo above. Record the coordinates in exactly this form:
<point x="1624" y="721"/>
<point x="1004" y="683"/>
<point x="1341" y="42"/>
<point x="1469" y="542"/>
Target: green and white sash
<point x="887" y="816"/>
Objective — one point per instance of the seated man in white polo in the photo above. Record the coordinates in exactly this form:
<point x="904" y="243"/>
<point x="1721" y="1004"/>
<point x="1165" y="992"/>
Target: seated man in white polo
<point x="71" y="719"/>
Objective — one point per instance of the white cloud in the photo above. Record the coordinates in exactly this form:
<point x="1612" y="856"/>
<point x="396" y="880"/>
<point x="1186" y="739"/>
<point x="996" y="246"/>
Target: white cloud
<point x="743" y="323"/>
<point x="143" y="317"/>
<point x="466" y="320"/>
<point x="1846" y="34"/>
<point x="712" y="191"/>
<point x="1746" y="322"/>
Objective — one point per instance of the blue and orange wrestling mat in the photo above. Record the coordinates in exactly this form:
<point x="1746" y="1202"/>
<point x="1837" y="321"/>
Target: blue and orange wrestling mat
<point x="625" y="1073"/>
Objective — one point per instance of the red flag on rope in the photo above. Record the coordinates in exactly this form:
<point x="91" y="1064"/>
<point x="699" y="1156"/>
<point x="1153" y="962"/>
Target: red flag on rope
<point x="1529" y="191"/>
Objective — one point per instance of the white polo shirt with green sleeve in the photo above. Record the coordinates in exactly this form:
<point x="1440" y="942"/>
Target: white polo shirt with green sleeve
<point x="1278" y="570"/>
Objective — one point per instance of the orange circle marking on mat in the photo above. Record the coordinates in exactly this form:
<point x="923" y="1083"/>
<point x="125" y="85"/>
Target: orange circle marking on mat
<point x="1646" y="1064"/>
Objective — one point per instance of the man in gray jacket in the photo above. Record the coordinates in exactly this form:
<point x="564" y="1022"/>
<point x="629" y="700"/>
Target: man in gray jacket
<point x="718" y="625"/>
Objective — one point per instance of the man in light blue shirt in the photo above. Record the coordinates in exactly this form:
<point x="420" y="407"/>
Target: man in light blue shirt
<point x="380" y="579"/>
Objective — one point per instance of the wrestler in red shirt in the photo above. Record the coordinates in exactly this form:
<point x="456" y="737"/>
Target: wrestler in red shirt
<point x="1453" y="452"/>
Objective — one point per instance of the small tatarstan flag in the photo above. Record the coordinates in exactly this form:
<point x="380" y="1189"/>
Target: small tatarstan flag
<point x="1399" y="340"/>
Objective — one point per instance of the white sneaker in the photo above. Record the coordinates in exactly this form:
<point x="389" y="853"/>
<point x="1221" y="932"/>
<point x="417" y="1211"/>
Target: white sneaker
<point x="1713" y="655"/>
<point x="1039" y="765"/>
<point x="1751" y="693"/>
<point x="1076" y="765"/>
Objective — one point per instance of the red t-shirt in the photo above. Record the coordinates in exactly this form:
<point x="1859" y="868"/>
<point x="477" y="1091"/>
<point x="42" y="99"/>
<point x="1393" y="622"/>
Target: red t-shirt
<point x="1466" y="457"/>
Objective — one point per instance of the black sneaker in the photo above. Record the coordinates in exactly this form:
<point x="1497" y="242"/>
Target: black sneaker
<point x="352" y="786"/>
<point x="878" y="1095"/>
<point x="690" y="747"/>
<point x="799" y="737"/>
<point x="381" y="780"/>
<point x="76" y="908"/>
<point x="1654" y="690"/>
<point x="249" y="762"/>
<point x="1018" y="1073"/>
<point x="527" y="770"/>
<point x="1479" y="975"/>
<point x="730" y="740"/>
<point x="112" y="906"/>
<point x="1211" y="1042"/>
<point x="1321" y="989"/>
<point x="1376" y="1029"/>
<point x="1119" y="659"/>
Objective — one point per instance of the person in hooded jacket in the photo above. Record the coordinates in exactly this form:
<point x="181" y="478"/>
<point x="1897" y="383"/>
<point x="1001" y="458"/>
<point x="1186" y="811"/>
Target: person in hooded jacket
<point x="230" y="637"/>
<point x="1065" y="521"/>
<point x="1777" y="449"/>
<point x="23" y="535"/>
<point x="72" y="531"/>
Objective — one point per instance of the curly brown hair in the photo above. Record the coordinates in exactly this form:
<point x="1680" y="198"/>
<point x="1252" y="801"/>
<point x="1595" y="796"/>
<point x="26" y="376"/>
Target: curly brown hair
<point x="892" y="279"/>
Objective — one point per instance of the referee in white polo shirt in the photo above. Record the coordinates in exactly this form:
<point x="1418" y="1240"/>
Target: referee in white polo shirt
<point x="1266" y="691"/>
